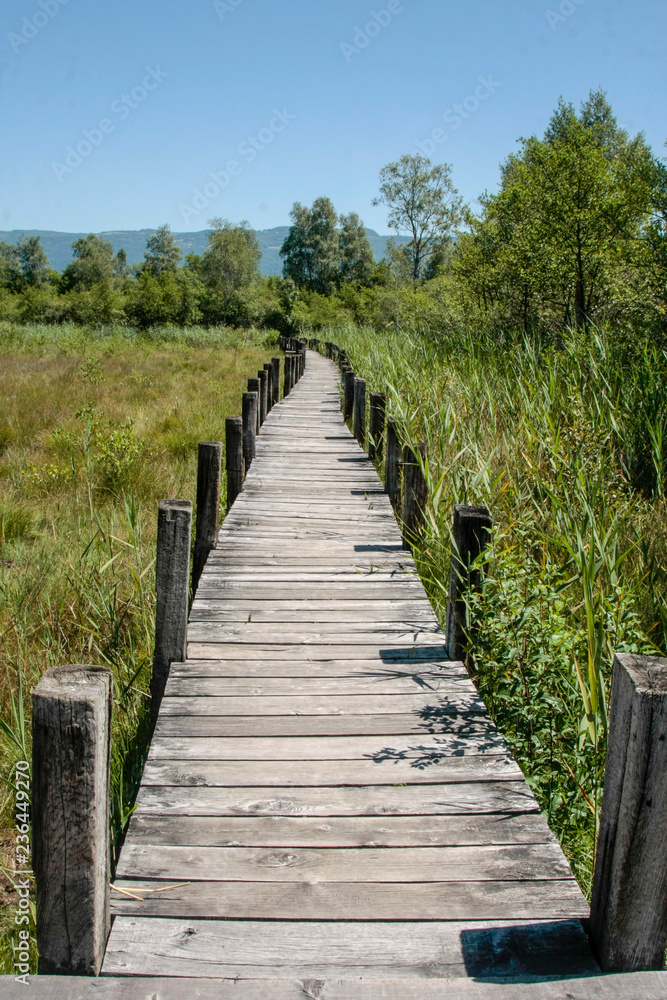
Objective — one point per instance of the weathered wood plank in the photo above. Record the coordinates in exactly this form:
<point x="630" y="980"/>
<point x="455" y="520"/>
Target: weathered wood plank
<point x="322" y="705"/>
<point x="461" y="798"/>
<point x="384" y="726"/>
<point x="509" y="863"/>
<point x="418" y="951"/>
<point x="339" y="831"/>
<point x="636" y="986"/>
<point x="483" y="738"/>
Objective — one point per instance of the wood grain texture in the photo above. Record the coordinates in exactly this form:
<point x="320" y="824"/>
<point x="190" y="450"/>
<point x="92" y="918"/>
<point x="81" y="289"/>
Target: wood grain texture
<point x="420" y="951"/>
<point x="635" y="986"/>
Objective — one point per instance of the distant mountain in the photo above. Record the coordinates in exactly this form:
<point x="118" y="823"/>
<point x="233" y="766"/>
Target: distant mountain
<point x="58" y="246"/>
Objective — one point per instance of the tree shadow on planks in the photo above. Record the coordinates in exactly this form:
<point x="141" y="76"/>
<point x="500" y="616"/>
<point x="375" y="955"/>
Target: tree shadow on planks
<point x="414" y="654"/>
<point x="556" y="948"/>
<point x="459" y="729"/>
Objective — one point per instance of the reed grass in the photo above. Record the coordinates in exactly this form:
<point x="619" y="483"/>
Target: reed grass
<point x="566" y="443"/>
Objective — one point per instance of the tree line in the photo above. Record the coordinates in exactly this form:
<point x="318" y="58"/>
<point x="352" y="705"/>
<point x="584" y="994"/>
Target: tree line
<point x="575" y="235"/>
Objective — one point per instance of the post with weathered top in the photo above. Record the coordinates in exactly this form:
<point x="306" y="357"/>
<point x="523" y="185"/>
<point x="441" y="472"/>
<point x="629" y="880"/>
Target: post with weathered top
<point x="233" y="458"/>
<point x="414" y="493"/>
<point x="628" y="925"/>
<point x="286" y="385"/>
<point x="172" y="572"/>
<point x="249" y="419"/>
<point x="263" y="386"/>
<point x="376" y="425"/>
<point x="392" y="465"/>
<point x="209" y="460"/>
<point x="254" y="386"/>
<point x="359" y="429"/>
<point x="471" y="532"/>
<point x="276" y="380"/>
<point x="71" y="741"/>
<point x="268" y="368"/>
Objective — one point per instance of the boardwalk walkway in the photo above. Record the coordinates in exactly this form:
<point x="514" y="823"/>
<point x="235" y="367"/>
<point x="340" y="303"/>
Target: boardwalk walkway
<point x="326" y="797"/>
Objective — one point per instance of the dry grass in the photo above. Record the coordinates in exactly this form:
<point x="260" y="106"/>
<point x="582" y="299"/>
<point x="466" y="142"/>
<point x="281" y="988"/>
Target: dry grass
<point x="94" y="430"/>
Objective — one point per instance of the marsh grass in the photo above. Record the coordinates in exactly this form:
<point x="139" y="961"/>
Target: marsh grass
<point x="566" y="444"/>
<point x="96" y="426"/>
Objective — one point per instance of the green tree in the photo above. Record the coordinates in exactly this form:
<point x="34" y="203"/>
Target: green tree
<point x="564" y="227"/>
<point x="92" y="264"/>
<point x="356" y="254"/>
<point x="162" y="254"/>
<point x="231" y="259"/>
<point x="33" y="261"/>
<point x="423" y="203"/>
<point x="120" y="266"/>
<point x="312" y="249"/>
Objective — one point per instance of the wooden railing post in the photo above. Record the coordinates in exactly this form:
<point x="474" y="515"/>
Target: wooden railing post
<point x="263" y="394"/>
<point x="286" y="375"/>
<point x="360" y="410"/>
<point x="268" y="368"/>
<point x="254" y="386"/>
<point x="470" y="534"/>
<point x="233" y="458"/>
<point x="414" y="494"/>
<point x="249" y="418"/>
<point x="276" y="380"/>
<point x="172" y="572"/>
<point x="71" y="741"/>
<point x="376" y="425"/>
<point x="628" y="925"/>
<point x="348" y="393"/>
<point x="209" y="460"/>
<point x="392" y="465"/>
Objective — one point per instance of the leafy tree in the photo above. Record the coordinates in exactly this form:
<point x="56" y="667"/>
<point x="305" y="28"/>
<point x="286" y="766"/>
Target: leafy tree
<point x="565" y="224"/>
<point x="422" y="202"/>
<point x="120" y="266"/>
<point x="312" y="248"/>
<point x="231" y="259"/>
<point x="24" y="265"/>
<point x="162" y="254"/>
<point x="356" y="254"/>
<point x="92" y="264"/>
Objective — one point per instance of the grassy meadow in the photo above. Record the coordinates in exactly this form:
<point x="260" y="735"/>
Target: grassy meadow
<point x="565" y="440"/>
<point x="96" y="426"/>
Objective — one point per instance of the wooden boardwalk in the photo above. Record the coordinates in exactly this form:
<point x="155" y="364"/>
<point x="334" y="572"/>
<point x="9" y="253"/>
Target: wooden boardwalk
<point x="325" y="796"/>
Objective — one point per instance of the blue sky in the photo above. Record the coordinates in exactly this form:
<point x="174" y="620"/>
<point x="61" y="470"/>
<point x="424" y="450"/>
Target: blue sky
<point x="114" y="115"/>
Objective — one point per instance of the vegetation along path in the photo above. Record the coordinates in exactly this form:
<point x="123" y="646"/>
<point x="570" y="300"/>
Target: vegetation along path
<point x="325" y="796"/>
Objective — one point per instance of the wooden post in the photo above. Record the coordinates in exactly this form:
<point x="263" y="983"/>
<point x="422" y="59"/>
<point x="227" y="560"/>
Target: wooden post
<point x="286" y="385"/>
<point x="172" y="572"/>
<point x="209" y="460"/>
<point x="348" y="409"/>
<point x="253" y="386"/>
<point x="276" y="380"/>
<point x="71" y="749"/>
<point x="376" y="425"/>
<point x="263" y="386"/>
<point x="360" y="410"/>
<point x="392" y="465"/>
<point x="470" y="534"/>
<point x="628" y="923"/>
<point x="233" y="458"/>
<point x="268" y="368"/>
<point x="249" y="418"/>
<point x="414" y="494"/>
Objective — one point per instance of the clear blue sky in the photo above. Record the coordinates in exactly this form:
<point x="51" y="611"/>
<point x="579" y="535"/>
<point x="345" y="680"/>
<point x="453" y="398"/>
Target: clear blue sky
<point x="221" y="70"/>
